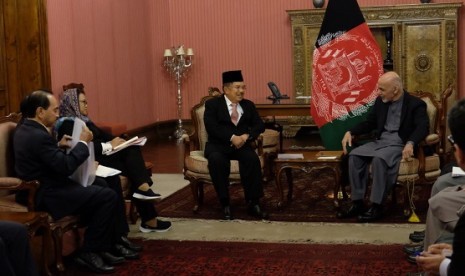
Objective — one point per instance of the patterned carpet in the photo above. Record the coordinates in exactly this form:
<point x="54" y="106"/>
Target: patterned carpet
<point x="234" y="258"/>
<point x="311" y="202"/>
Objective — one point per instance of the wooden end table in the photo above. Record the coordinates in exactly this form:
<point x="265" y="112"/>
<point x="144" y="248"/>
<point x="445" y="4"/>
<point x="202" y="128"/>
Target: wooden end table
<point x="34" y="221"/>
<point x="311" y="161"/>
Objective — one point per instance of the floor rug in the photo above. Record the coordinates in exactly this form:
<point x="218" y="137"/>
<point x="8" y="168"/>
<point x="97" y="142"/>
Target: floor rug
<point x="237" y="258"/>
<point x="312" y="202"/>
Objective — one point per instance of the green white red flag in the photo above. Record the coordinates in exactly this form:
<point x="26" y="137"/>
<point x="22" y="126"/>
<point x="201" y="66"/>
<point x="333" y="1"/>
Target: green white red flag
<point x="347" y="63"/>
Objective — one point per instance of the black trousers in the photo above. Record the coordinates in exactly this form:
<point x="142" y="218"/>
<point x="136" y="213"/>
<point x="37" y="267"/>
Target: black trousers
<point x="131" y="163"/>
<point x="96" y="206"/>
<point x="15" y="253"/>
<point x="114" y="183"/>
<point x="219" y="164"/>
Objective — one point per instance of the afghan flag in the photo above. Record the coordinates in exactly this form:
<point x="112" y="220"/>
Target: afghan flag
<point x="347" y="64"/>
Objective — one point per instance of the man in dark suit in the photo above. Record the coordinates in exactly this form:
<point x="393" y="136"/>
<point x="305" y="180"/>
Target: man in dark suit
<point x="38" y="156"/>
<point x="434" y="259"/>
<point x="232" y="124"/>
<point x="400" y="122"/>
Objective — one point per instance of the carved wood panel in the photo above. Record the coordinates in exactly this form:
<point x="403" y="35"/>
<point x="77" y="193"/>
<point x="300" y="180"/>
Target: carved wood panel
<point x="424" y="44"/>
<point x="25" y="61"/>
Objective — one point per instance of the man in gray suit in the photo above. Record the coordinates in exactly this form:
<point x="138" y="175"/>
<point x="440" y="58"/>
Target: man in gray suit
<point x="400" y="122"/>
<point x="446" y="211"/>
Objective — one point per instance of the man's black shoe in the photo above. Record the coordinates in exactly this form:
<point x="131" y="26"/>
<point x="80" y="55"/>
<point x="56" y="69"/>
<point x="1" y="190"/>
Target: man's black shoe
<point x="93" y="262"/>
<point x="413" y="249"/>
<point x="121" y="251"/>
<point x="417" y="237"/>
<point x="110" y="258"/>
<point x="412" y="259"/>
<point x="129" y="244"/>
<point x="374" y="213"/>
<point x="354" y="210"/>
<point x="256" y="211"/>
<point x="227" y="215"/>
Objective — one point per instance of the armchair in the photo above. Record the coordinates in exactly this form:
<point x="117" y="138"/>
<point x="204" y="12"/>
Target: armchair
<point x="426" y="167"/>
<point x="196" y="165"/>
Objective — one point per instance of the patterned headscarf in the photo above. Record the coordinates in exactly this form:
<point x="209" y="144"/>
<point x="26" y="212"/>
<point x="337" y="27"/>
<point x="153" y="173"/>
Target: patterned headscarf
<point x="69" y="105"/>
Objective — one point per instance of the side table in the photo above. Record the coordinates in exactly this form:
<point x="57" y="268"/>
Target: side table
<point x="311" y="161"/>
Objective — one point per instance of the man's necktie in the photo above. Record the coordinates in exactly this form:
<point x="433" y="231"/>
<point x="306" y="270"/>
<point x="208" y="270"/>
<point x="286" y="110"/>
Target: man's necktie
<point x="234" y="113"/>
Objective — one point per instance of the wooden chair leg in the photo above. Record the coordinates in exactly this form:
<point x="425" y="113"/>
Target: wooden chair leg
<point x="195" y="195"/>
<point x="133" y="216"/>
<point x="57" y="235"/>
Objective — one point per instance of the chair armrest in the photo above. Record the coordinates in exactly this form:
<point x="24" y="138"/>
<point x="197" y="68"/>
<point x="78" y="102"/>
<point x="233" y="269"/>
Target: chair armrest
<point x="16" y="184"/>
<point x="188" y="145"/>
<point x="432" y="139"/>
<point x="259" y="144"/>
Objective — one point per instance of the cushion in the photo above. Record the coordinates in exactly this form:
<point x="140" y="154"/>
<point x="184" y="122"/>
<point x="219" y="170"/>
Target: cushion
<point x="9" y="204"/>
<point x="196" y="162"/>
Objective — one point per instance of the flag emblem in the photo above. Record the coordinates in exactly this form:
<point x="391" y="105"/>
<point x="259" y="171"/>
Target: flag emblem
<point x="347" y="63"/>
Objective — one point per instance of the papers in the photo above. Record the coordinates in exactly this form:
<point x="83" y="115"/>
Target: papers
<point x="290" y="156"/>
<point x="327" y="157"/>
<point x="104" y="171"/>
<point x="457" y="171"/>
<point x="85" y="173"/>
<point x="134" y="141"/>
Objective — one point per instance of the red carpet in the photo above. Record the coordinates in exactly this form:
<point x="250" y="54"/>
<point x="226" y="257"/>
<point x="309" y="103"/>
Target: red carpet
<point x="310" y="202"/>
<point x="234" y="258"/>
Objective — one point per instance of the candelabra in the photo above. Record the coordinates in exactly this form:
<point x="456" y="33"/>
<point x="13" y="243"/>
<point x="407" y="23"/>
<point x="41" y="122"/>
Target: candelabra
<point x="177" y="63"/>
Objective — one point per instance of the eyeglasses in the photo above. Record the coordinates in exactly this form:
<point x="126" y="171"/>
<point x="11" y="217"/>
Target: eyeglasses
<point x="83" y="102"/>
<point x="238" y="87"/>
<point x="451" y="139"/>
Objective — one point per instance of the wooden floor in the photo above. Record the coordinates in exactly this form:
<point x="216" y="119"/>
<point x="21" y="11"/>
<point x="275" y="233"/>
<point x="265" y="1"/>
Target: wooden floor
<point x="167" y="155"/>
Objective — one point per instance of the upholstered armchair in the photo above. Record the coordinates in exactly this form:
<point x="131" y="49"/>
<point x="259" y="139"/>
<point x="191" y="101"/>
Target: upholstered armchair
<point x="196" y="165"/>
<point x="10" y="184"/>
<point x="425" y="168"/>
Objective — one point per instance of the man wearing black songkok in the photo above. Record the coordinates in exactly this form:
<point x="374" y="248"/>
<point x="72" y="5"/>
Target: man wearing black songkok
<point x="232" y="123"/>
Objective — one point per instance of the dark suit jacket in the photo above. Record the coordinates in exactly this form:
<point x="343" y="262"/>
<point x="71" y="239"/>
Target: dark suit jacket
<point x="414" y="122"/>
<point x="220" y="127"/>
<point x="37" y="156"/>
<point x="457" y="265"/>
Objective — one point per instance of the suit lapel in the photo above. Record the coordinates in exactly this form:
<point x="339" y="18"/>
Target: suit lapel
<point x="224" y="110"/>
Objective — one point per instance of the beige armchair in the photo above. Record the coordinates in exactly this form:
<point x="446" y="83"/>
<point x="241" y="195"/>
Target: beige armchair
<point x="196" y="165"/>
<point x="425" y="168"/>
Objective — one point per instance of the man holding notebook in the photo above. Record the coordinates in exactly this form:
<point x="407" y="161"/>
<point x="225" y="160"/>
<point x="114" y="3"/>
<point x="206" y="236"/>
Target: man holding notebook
<point x="39" y="157"/>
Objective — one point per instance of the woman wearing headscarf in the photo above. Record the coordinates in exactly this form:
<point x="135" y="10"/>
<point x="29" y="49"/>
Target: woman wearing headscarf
<point x="73" y="104"/>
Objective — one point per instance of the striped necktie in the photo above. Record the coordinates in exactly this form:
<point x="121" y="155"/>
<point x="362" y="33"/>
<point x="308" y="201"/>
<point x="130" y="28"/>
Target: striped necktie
<point x="234" y="113"/>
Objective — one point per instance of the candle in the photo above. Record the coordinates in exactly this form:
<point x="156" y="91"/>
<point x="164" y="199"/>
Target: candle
<point x="181" y="51"/>
<point x="190" y="52"/>
<point x="168" y="53"/>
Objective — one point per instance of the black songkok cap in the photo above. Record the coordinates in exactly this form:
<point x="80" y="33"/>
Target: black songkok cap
<point x="232" y="76"/>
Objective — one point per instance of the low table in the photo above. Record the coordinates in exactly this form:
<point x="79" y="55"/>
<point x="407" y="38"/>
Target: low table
<point x="34" y="221"/>
<point x="309" y="162"/>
